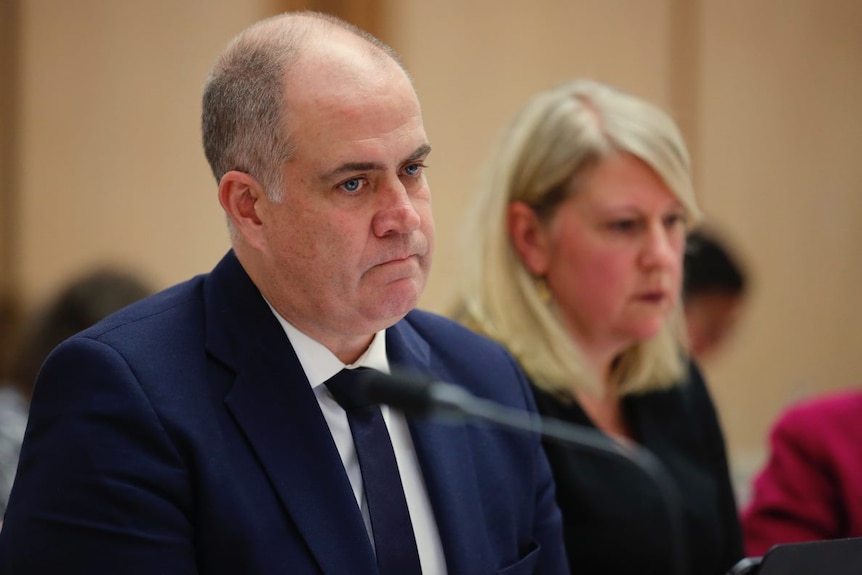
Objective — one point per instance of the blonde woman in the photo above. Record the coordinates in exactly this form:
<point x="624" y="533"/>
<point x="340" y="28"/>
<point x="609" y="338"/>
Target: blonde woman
<point x="575" y="264"/>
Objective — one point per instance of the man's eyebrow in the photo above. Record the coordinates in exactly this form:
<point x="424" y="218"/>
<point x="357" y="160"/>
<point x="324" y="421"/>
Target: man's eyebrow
<point x="420" y="152"/>
<point x="348" y="167"/>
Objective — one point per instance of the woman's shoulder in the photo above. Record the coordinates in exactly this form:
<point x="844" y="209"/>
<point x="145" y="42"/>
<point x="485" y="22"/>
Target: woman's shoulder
<point x="832" y="403"/>
<point x="690" y="390"/>
<point x="832" y="409"/>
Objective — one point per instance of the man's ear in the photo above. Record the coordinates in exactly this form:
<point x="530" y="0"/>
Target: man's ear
<point x="528" y="237"/>
<point x="239" y="195"/>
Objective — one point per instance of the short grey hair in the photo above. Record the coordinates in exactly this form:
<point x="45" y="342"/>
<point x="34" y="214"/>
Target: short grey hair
<point x="243" y="117"/>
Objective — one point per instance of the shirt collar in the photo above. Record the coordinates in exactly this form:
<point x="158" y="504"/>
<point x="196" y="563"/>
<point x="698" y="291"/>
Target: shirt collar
<point x="319" y="364"/>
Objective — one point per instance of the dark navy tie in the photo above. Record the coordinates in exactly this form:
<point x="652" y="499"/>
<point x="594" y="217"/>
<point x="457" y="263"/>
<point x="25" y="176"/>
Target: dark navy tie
<point x="390" y="520"/>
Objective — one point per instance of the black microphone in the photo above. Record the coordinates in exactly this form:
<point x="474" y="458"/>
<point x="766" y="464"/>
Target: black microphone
<point x="422" y="395"/>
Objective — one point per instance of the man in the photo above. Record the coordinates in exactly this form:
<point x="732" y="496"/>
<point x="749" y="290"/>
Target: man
<point x="196" y="432"/>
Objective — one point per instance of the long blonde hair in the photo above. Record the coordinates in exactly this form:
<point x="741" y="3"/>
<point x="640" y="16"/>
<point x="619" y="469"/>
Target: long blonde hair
<point x="558" y="133"/>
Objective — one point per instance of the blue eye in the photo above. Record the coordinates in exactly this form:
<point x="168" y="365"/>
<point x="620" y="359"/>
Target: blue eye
<point x="413" y="169"/>
<point x="352" y="185"/>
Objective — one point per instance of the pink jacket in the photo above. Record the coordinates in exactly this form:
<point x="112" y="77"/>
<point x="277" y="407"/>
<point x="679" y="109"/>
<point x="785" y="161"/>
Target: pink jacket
<point x="811" y="487"/>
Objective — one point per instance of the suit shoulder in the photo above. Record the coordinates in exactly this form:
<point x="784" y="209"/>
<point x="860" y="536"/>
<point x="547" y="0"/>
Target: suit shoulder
<point x="163" y="311"/>
<point x="695" y="389"/>
<point x="459" y="354"/>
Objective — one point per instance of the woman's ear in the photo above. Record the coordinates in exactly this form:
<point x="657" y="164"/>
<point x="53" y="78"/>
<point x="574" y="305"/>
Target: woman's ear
<point x="241" y="195"/>
<point x="529" y="238"/>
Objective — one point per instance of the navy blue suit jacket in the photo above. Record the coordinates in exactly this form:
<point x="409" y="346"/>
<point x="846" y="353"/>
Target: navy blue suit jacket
<point x="181" y="436"/>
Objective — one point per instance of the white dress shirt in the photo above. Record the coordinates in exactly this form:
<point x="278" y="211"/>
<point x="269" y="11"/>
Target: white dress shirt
<point x="319" y="365"/>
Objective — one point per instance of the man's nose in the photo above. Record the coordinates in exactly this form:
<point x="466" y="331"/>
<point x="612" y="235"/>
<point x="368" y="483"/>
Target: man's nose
<point x="396" y="212"/>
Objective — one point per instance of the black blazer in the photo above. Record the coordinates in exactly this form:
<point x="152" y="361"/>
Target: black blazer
<point x="614" y="520"/>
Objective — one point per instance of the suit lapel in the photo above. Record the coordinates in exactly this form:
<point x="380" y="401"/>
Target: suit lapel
<point x="447" y="465"/>
<point x="272" y="402"/>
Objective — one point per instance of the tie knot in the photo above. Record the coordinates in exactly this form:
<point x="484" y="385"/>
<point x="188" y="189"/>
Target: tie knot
<point x="347" y="389"/>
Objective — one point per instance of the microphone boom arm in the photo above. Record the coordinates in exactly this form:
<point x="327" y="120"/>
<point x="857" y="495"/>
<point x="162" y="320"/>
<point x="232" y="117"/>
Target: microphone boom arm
<point x="421" y="395"/>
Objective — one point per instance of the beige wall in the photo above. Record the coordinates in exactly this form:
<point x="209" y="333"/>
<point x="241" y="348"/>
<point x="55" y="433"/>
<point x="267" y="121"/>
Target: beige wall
<point x="8" y="147"/>
<point x="781" y="85"/>
<point x="111" y="164"/>
<point x="768" y="93"/>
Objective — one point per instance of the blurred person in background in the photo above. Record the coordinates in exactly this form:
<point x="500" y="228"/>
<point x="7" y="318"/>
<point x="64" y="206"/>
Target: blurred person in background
<point x="575" y="257"/>
<point x="13" y="408"/>
<point x="715" y="285"/>
<point x="83" y="301"/>
<point x="10" y="312"/>
<point x="811" y="485"/>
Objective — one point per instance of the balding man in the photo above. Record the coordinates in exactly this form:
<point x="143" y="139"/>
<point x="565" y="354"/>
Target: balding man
<point x="210" y="429"/>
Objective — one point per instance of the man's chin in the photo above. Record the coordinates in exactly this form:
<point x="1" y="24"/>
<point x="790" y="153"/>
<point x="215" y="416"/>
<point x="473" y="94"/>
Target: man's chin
<point x="397" y="300"/>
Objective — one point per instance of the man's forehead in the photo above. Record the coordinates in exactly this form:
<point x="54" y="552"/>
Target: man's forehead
<point x="340" y="52"/>
<point x="348" y="111"/>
